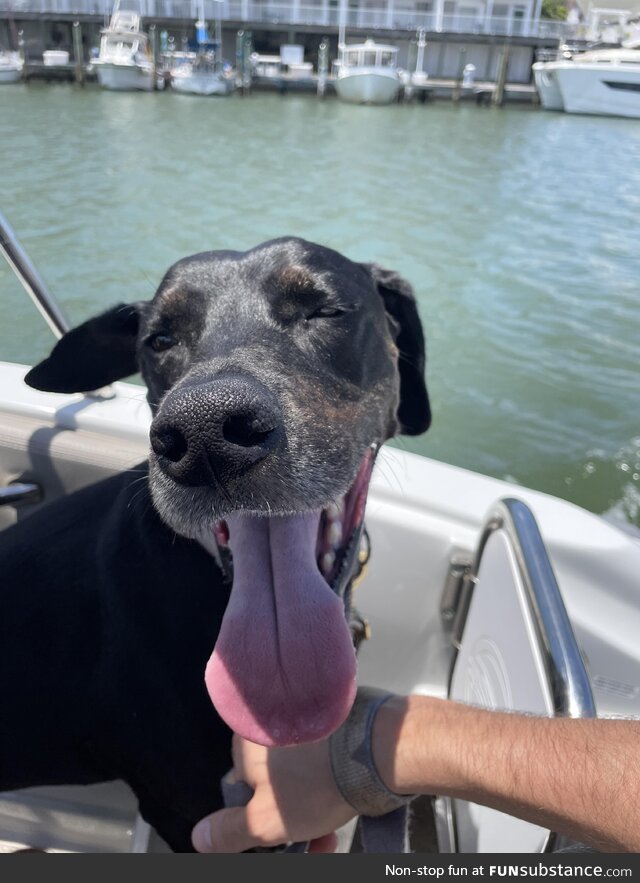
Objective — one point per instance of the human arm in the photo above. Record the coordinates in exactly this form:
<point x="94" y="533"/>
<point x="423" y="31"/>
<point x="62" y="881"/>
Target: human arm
<point x="578" y="777"/>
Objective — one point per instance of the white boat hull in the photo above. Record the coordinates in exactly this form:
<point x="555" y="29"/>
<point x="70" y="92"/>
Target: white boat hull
<point x="10" y="67"/>
<point x="368" y="86"/>
<point x="545" y="77"/>
<point x="610" y="90"/>
<point x="202" y="84"/>
<point x="10" y="74"/>
<point x="124" y="77"/>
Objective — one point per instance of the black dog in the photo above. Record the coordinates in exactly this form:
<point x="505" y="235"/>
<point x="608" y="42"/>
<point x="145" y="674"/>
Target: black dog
<point x="273" y="376"/>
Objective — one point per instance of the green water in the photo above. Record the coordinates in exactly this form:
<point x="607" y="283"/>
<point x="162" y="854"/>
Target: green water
<point x="519" y="230"/>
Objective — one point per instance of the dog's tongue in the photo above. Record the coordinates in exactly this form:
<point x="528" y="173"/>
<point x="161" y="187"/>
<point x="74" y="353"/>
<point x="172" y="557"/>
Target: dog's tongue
<point x="283" y="669"/>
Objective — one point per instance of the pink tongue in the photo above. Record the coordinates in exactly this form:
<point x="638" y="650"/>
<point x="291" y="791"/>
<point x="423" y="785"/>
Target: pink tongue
<point x="283" y="669"/>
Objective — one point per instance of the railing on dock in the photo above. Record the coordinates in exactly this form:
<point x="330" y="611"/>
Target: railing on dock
<point x="295" y="13"/>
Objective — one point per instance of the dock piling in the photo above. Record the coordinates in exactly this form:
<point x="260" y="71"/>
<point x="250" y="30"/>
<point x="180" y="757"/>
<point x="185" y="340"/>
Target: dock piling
<point x="78" y="53"/>
<point x="153" y="40"/>
<point x="22" y="49"/>
<point x="498" y="92"/>
<point x="247" y="51"/>
<point x="323" y="67"/>
<point x="457" y="89"/>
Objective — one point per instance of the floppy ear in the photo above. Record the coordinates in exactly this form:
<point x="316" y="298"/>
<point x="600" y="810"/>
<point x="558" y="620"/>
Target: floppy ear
<point x="414" y="411"/>
<point x="94" y="354"/>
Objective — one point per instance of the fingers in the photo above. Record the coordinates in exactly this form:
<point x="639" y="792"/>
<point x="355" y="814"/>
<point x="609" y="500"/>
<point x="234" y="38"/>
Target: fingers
<point x="224" y="831"/>
<point x="249" y="760"/>
<point x="227" y="831"/>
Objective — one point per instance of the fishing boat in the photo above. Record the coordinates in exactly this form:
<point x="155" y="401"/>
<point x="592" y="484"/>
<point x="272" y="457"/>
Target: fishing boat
<point x="10" y="66"/>
<point x="202" y="72"/>
<point x="477" y="589"/>
<point x="601" y="81"/>
<point x="124" y="62"/>
<point x="367" y="73"/>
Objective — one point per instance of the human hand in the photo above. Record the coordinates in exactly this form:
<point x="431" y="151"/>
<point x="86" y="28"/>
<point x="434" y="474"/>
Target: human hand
<point x="295" y="799"/>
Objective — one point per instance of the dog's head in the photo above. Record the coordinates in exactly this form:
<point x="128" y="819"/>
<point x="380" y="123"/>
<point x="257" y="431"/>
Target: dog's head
<point x="273" y="376"/>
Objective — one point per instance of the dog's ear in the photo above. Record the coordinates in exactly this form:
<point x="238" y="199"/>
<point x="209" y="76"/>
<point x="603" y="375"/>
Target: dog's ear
<point x="414" y="411"/>
<point x="94" y="354"/>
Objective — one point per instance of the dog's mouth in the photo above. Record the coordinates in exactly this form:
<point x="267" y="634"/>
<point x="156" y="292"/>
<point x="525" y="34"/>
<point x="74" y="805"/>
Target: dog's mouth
<point x="283" y="670"/>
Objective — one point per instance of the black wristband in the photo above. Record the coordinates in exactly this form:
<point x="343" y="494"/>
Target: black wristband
<point x="352" y="762"/>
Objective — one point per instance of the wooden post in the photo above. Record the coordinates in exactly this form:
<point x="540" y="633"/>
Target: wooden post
<point x="323" y="66"/>
<point x="455" y="95"/>
<point x="153" y="40"/>
<point x="22" y="49"/>
<point x="498" y="92"/>
<point x="239" y="59"/>
<point x="78" y="52"/>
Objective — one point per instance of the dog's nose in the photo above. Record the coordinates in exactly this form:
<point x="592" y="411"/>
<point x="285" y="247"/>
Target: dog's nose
<point x="216" y="431"/>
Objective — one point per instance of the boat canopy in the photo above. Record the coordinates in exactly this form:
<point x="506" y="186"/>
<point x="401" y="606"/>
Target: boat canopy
<point x="368" y="54"/>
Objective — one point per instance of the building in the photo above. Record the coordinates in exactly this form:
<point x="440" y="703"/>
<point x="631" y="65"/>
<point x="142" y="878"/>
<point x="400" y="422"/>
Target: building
<point x="457" y="31"/>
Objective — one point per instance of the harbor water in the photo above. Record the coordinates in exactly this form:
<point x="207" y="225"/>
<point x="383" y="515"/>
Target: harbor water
<point x="518" y="229"/>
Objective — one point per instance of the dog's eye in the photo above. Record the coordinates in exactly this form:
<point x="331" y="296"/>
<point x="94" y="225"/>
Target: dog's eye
<point x="326" y="312"/>
<point x="161" y="342"/>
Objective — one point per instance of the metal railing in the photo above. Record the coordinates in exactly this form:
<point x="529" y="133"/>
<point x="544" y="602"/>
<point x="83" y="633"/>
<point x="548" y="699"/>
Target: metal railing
<point x="294" y="13"/>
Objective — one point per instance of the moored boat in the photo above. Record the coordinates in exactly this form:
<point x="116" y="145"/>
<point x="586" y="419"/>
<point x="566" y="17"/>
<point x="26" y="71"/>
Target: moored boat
<point x="367" y="73"/>
<point x="202" y="72"/>
<point x="602" y="82"/>
<point x="10" y="66"/>
<point x="124" y="62"/>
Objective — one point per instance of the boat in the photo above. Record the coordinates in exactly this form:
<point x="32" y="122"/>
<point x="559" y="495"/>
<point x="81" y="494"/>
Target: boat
<point x="124" y="62"/>
<point x="600" y="81"/>
<point x="367" y="73"/>
<point x="11" y="66"/>
<point x="477" y="588"/>
<point x="201" y="72"/>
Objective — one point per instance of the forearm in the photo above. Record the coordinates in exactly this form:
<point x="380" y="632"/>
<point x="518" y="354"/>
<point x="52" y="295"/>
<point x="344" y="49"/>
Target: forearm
<point x="580" y="778"/>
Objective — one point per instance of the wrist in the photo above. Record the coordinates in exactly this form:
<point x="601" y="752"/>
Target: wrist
<point x="352" y="762"/>
<point x="415" y="745"/>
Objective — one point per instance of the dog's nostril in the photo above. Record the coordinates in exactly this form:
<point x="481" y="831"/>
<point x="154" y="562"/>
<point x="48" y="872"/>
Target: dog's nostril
<point x="169" y="443"/>
<point x="241" y="430"/>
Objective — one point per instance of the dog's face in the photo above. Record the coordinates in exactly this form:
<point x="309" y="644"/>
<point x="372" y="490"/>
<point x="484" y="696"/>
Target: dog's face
<point x="273" y="375"/>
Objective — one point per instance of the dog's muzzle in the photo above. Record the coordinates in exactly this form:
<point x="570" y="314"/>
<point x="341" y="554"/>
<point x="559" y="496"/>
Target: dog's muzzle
<point x="213" y="432"/>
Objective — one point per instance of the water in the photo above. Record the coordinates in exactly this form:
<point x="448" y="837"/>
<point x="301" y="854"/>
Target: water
<point x="517" y="228"/>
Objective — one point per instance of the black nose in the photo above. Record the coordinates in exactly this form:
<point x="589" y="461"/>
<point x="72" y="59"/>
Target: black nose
<point x="216" y="431"/>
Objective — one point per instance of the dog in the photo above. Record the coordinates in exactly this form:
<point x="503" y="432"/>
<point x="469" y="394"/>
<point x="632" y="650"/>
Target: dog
<point x="272" y="375"/>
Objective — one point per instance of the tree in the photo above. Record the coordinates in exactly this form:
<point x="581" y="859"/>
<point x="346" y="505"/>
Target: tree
<point x="555" y="9"/>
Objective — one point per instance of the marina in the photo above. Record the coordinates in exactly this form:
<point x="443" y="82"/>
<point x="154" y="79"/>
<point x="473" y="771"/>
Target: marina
<point x="496" y="46"/>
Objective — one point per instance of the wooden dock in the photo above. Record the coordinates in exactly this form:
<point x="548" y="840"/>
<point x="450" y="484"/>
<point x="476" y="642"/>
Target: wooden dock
<point x="482" y="92"/>
<point x="55" y="73"/>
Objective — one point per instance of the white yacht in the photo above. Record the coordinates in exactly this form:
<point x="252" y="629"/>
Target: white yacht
<point x="10" y="66"/>
<point x="601" y="81"/>
<point x="124" y="62"/>
<point x="367" y="73"/>
<point x="480" y="590"/>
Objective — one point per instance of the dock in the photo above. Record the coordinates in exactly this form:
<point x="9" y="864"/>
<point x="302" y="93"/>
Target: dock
<point x="482" y="92"/>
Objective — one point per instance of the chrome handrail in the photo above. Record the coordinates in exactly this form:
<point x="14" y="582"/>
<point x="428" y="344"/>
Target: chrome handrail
<point x="564" y="666"/>
<point x="31" y="280"/>
<point x="563" y="662"/>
